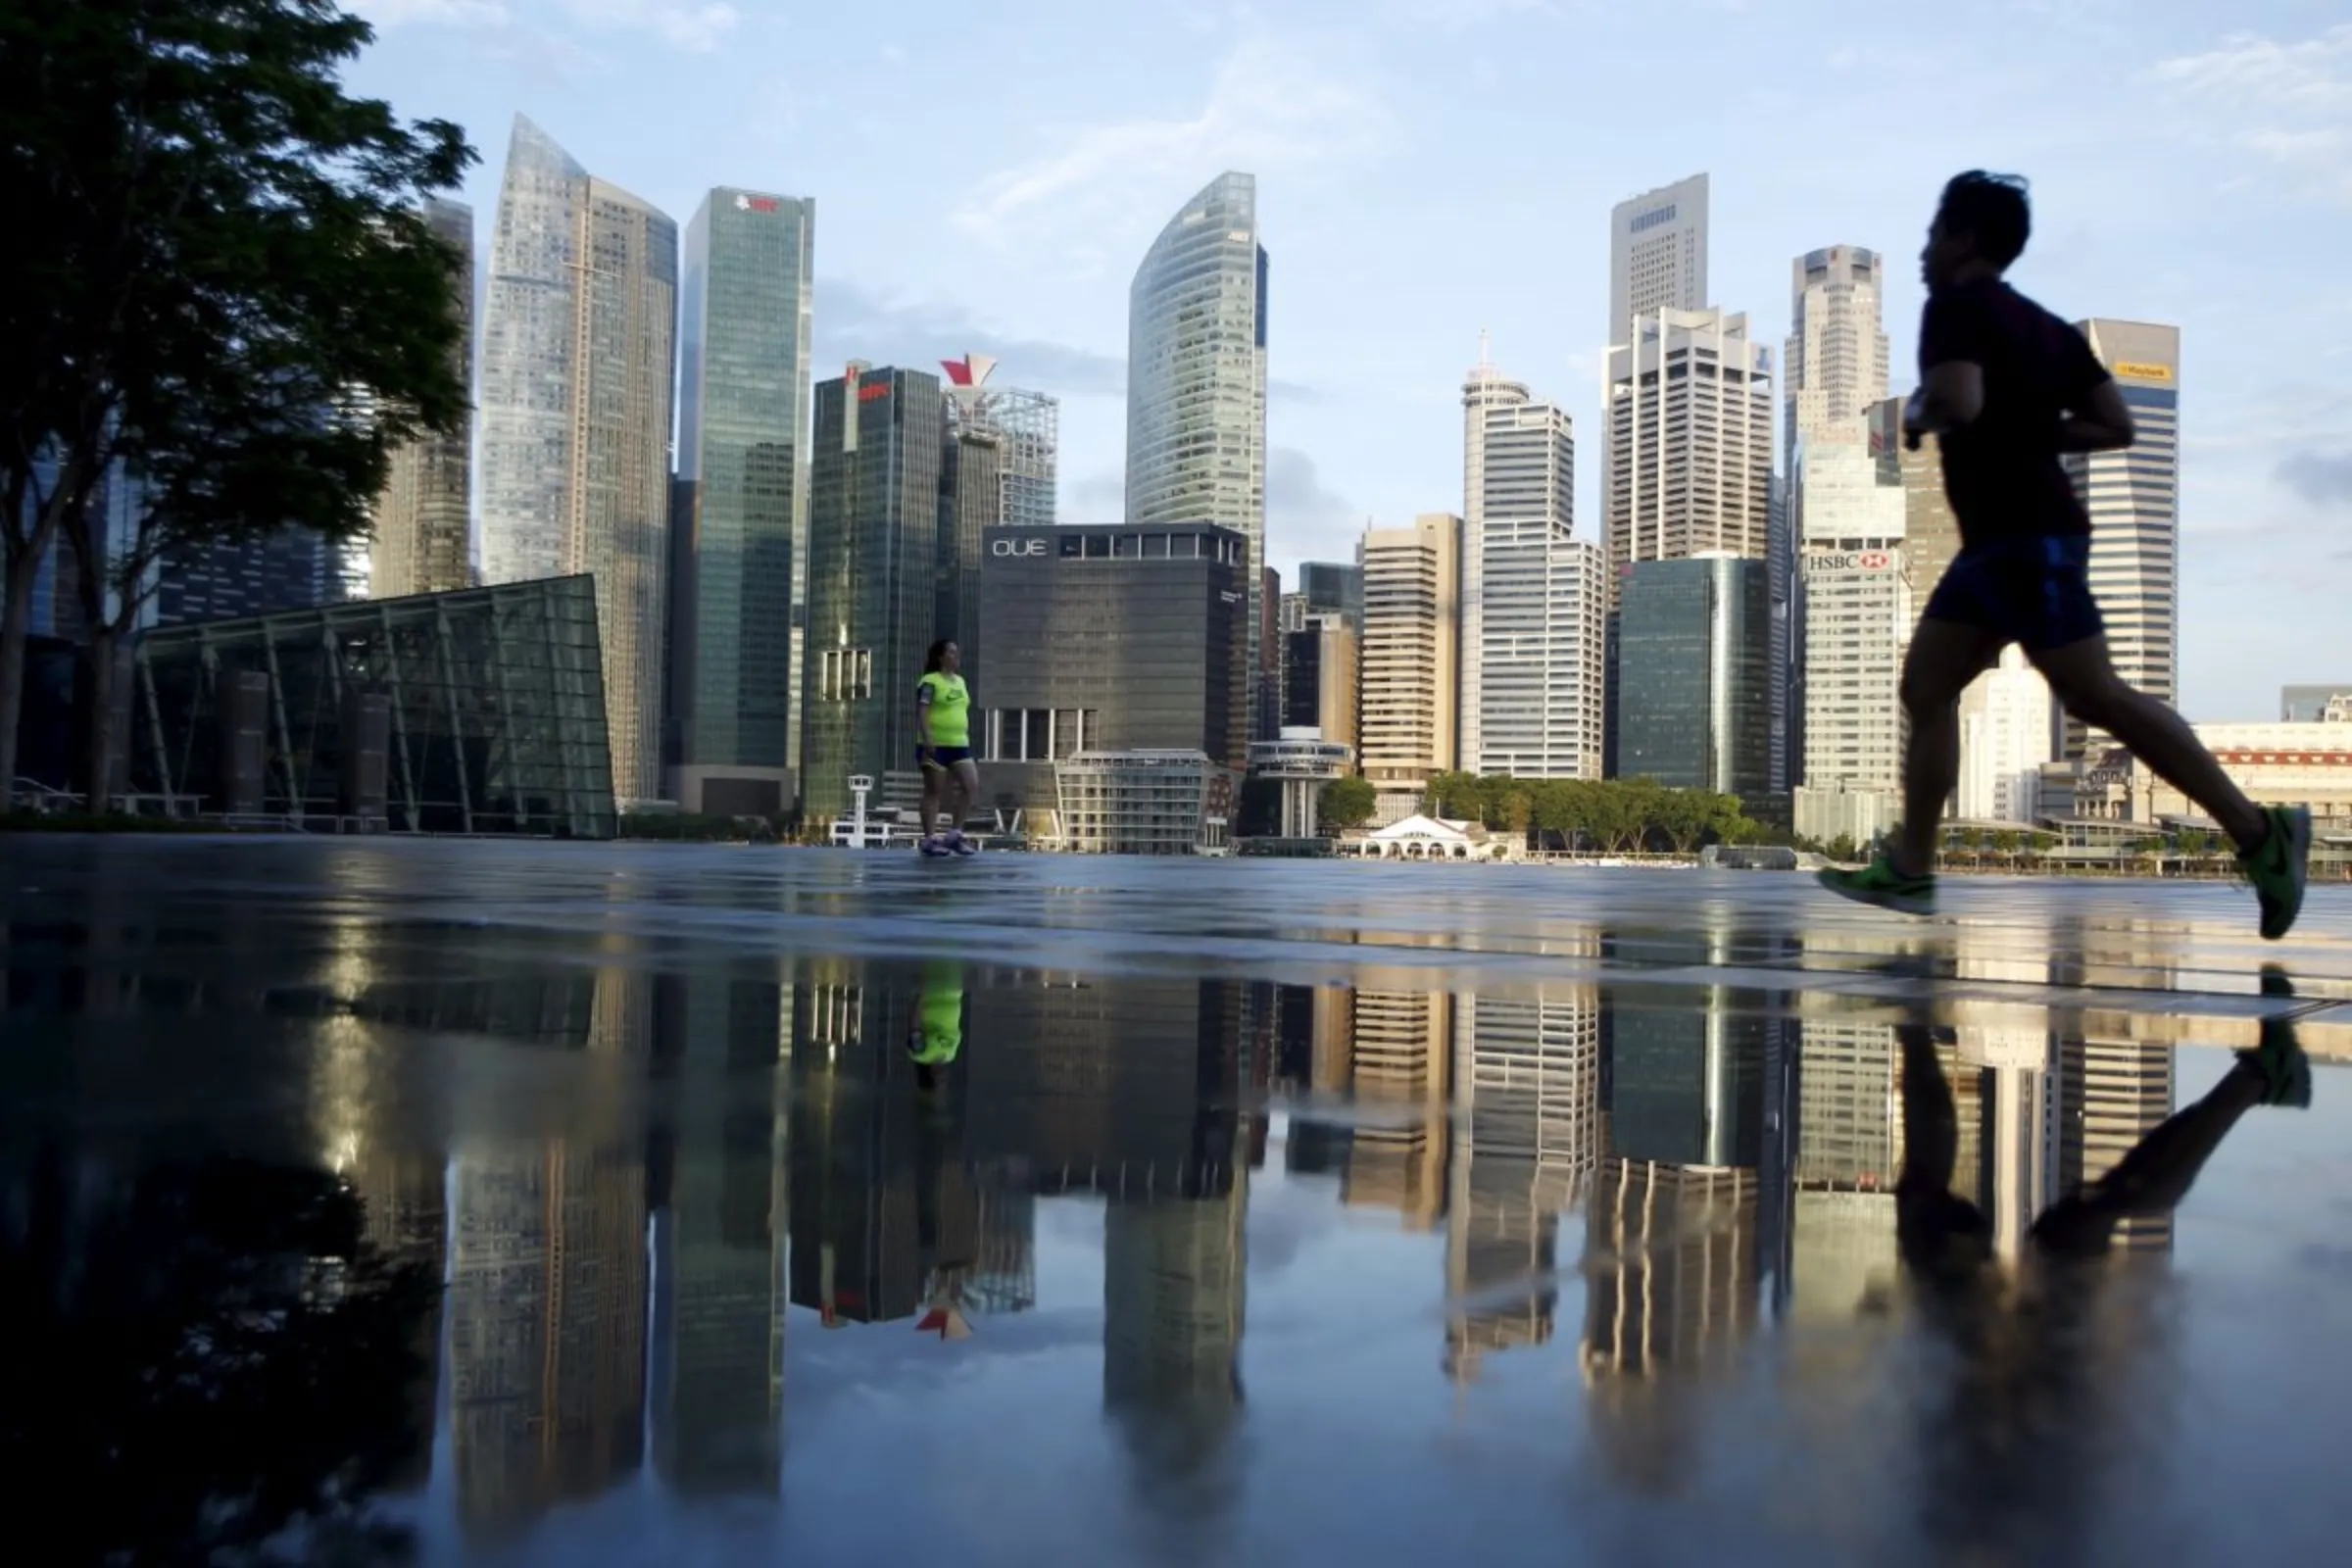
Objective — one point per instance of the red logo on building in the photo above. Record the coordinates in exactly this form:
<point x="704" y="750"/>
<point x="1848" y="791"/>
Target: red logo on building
<point x="1874" y="560"/>
<point x="873" y="391"/>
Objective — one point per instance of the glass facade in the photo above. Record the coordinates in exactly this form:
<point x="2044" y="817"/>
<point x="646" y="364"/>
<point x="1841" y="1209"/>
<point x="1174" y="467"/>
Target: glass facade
<point x="1197" y="376"/>
<point x="578" y="370"/>
<point x="1694" y="656"/>
<point x="874" y="556"/>
<point x="425" y="517"/>
<point x="739" y="540"/>
<point x="477" y="711"/>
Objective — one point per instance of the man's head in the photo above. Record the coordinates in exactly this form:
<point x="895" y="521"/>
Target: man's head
<point x="1980" y="226"/>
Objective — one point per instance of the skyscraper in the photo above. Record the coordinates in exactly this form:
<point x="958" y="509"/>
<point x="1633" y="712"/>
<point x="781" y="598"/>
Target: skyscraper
<point x="740" y="536"/>
<point x="425" y="517"/>
<point x="579" y="366"/>
<point x="1407" y="720"/>
<point x="1196" y="375"/>
<point x="1029" y="426"/>
<point x="1533" y="615"/>
<point x="1859" y="614"/>
<point x="1657" y="255"/>
<point x="2134" y="497"/>
<point x="874" y="556"/>
<point x="971" y="500"/>
<point x="1694" y="700"/>
<point x="1835" y="365"/>
<point x="1333" y="587"/>
<point x="1691" y="430"/>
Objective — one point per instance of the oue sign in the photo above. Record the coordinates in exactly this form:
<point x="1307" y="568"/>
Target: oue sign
<point x="1016" y="547"/>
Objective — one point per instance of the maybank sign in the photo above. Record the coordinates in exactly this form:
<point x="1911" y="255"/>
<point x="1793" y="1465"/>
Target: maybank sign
<point x="2132" y="370"/>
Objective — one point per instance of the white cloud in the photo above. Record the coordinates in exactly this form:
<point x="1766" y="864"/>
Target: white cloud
<point x="2290" y="103"/>
<point x="1269" y="109"/>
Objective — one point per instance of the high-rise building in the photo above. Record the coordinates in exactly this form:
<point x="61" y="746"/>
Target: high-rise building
<point x="971" y="502"/>
<point x="1694" y="700"/>
<point x="2134" y="497"/>
<point x="1319" y="678"/>
<point x="1858" y="620"/>
<point x="739" y="537"/>
<point x="2007" y="724"/>
<point x="1835" y="365"/>
<point x="578" y="370"/>
<point x="292" y="568"/>
<point x="1657" y="255"/>
<point x="1411" y="652"/>
<point x="1267" y="703"/>
<point x="424" y="517"/>
<point x="1196" y="375"/>
<point x="1127" y="639"/>
<point x="1028" y="426"/>
<point x="1690" y="439"/>
<point x="1332" y="587"/>
<point x="873" y="561"/>
<point x="2310" y="704"/>
<point x="1533" y="614"/>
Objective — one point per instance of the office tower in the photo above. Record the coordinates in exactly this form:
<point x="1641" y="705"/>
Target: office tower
<point x="739" y="533"/>
<point x="1691" y="437"/>
<point x="1196" y="375"/>
<point x="1533" y="618"/>
<point x="292" y="568"/>
<point x="1411" y="652"/>
<point x="2134" y="497"/>
<point x="2116" y="1091"/>
<point x="2007" y="724"/>
<point x="1266" y="701"/>
<point x="873" y="558"/>
<point x="424" y="517"/>
<point x="1330" y="588"/>
<point x="1695" y="701"/>
<point x="1834" y="369"/>
<point x="1109" y="639"/>
<point x="1859" y="616"/>
<point x="1319" y="678"/>
<point x="578" y="367"/>
<point x="1401" y="1062"/>
<point x="1657" y="255"/>
<point x="1930" y="530"/>
<point x="972" y="503"/>
<point x="1028" y="425"/>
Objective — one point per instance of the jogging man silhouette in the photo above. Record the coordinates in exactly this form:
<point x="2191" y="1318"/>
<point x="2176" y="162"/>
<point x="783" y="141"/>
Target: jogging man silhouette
<point x="2009" y="389"/>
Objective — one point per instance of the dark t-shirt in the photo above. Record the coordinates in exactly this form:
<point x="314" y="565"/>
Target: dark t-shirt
<point x="2003" y="472"/>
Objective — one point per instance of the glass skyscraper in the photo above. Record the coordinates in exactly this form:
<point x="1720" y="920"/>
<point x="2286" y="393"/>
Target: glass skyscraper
<point x="1197" y="376"/>
<point x="1695" y="693"/>
<point x="875" y="507"/>
<point x="740" y="536"/>
<point x="425" y="517"/>
<point x="579" y="366"/>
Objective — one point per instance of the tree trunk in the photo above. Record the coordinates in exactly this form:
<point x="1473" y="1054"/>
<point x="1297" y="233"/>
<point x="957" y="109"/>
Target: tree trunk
<point x="98" y="723"/>
<point x="16" y="627"/>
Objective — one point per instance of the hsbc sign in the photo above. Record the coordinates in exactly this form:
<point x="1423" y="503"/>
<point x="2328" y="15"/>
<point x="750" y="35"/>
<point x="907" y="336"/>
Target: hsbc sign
<point x="1016" y="547"/>
<point x="1852" y="561"/>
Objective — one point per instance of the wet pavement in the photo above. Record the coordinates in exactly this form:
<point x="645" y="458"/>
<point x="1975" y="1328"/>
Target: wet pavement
<point x="574" y="1204"/>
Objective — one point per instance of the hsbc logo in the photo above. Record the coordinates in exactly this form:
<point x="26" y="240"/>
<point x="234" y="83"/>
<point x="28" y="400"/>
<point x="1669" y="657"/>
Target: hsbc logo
<point x="1873" y="560"/>
<point x="1016" y="547"/>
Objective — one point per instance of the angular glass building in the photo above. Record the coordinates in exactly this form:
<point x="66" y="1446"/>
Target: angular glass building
<point x="739" y="538"/>
<point x="477" y="711"/>
<point x="579" y="366"/>
<point x="1197" y="376"/>
<point x="1694" y="702"/>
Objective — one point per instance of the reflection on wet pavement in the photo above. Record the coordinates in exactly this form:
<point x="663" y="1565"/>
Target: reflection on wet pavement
<point x="790" y="1205"/>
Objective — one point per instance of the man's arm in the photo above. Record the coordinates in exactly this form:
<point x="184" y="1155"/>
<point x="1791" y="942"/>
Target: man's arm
<point x="2104" y="426"/>
<point x="1950" y="397"/>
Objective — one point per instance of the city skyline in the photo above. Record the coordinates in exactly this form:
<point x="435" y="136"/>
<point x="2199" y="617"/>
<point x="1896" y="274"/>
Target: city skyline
<point x="1016" y="229"/>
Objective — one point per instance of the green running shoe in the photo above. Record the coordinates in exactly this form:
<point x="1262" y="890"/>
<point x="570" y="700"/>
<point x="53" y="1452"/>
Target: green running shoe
<point x="1879" y="883"/>
<point x="2279" y="867"/>
<point x="2285" y="1071"/>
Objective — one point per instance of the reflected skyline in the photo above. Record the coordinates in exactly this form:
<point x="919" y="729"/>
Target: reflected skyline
<point x="696" y="1217"/>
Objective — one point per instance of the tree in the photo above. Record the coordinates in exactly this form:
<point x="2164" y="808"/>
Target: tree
<point x="1348" y="803"/>
<point x="234" y="302"/>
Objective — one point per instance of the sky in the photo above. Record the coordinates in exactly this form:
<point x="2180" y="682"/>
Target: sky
<point x="987" y="177"/>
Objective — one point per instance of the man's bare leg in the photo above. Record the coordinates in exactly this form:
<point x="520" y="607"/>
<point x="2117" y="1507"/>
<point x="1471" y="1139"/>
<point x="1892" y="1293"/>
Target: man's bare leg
<point x="1946" y="657"/>
<point x="2083" y="677"/>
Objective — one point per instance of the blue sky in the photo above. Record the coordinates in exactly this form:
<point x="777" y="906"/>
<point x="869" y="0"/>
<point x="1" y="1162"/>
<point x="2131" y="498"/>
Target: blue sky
<point x="987" y="177"/>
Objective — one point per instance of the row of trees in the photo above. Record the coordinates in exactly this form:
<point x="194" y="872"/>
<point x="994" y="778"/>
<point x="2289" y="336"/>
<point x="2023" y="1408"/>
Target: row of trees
<point x="223" y="292"/>
<point x="1619" y="815"/>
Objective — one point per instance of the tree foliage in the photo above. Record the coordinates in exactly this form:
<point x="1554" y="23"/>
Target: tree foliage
<point x="235" y="301"/>
<point x="1621" y="816"/>
<point x="1348" y="803"/>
